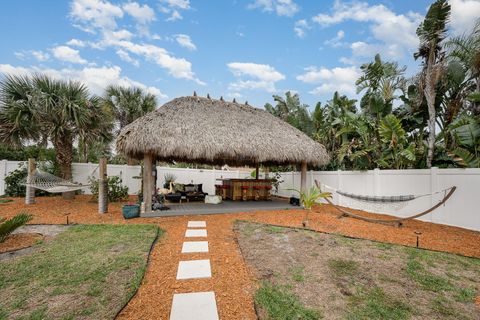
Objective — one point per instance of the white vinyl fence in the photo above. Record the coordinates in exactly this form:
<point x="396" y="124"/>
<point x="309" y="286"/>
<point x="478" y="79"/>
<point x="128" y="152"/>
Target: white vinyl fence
<point x="461" y="210"/>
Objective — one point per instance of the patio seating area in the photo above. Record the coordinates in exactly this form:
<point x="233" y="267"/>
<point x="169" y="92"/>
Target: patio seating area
<point x="227" y="206"/>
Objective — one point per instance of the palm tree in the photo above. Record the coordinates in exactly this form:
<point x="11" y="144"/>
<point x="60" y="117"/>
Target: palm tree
<point x="291" y="110"/>
<point x="36" y="107"/>
<point x="380" y="80"/>
<point x="465" y="49"/>
<point x="128" y="103"/>
<point x="95" y="138"/>
<point x="432" y="31"/>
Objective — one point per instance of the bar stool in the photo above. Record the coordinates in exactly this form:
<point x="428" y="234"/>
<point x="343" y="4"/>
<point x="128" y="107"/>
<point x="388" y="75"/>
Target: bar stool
<point x="218" y="189"/>
<point x="244" y="192"/>
<point x="267" y="192"/>
<point x="225" y="188"/>
<point x="256" y="192"/>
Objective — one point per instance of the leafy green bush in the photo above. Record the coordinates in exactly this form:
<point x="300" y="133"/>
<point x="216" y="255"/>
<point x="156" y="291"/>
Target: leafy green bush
<point x="116" y="190"/>
<point x="8" y="226"/>
<point x="14" y="186"/>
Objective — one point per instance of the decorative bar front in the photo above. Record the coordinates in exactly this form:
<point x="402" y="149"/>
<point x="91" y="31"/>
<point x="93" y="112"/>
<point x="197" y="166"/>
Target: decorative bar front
<point x="245" y="189"/>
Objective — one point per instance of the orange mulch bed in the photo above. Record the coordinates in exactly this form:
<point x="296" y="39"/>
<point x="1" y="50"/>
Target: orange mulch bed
<point x="231" y="280"/>
<point x="19" y="241"/>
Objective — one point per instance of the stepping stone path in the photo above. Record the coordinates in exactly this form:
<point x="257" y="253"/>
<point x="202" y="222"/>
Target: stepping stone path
<point x="195" y="246"/>
<point x="196" y="305"/>
<point x="194" y="269"/>
<point x="196" y="233"/>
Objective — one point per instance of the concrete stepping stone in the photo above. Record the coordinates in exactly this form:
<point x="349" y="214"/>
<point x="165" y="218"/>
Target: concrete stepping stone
<point x="195" y="246"/>
<point x="196" y="233"/>
<point x="194" y="269"/>
<point x="197" y="305"/>
<point x="197" y="224"/>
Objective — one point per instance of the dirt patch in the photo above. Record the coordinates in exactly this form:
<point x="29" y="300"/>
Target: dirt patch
<point x="343" y="277"/>
<point x="20" y="241"/>
<point x="23" y="240"/>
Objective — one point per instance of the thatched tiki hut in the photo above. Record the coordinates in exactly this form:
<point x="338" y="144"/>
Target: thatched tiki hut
<point x="203" y="130"/>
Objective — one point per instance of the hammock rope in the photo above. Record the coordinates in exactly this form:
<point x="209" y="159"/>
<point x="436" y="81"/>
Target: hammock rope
<point x="48" y="182"/>
<point x="389" y="201"/>
<point x="385" y="199"/>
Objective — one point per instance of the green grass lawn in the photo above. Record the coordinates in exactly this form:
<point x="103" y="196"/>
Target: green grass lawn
<point x="87" y="272"/>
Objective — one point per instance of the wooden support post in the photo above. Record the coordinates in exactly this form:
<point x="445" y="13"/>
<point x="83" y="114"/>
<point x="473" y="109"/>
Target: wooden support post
<point x="267" y="172"/>
<point x="102" y="186"/>
<point x="256" y="172"/>
<point x="147" y="182"/>
<point x="30" y="191"/>
<point x="303" y="177"/>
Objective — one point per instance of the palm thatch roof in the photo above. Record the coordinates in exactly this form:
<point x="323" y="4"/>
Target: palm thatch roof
<point x="204" y="130"/>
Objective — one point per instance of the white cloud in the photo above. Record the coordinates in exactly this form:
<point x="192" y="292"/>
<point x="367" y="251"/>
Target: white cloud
<point x="262" y="76"/>
<point x="67" y="54"/>
<point x="391" y="30"/>
<point x="185" y="41"/>
<point x="280" y="7"/>
<point x="76" y="43"/>
<point x="175" y="16"/>
<point x="112" y="37"/>
<point x="173" y="8"/>
<point x="37" y="54"/>
<point x="300" y="27"/>
<point x="97" y="79"/>
<point x="177" y="67"/>
<point x="101" y="15"/>
<point x="330" y="80"/>
<point x="40" y="55"/>
<point x="180" y="4"/>
<point x="91" y="14"/>
<point x="336" y="41"/>
<point x="142" y="13"/>
<point x="126" y="57"/>
<point x="463" y="15"/>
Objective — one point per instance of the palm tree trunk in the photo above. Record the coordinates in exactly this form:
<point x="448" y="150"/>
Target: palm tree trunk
<point x="64" y="156"/>
<point x="430" y="97"/>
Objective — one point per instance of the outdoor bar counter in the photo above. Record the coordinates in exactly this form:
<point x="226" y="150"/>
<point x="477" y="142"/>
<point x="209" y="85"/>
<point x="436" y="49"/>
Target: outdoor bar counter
<point x="245" y="189"/>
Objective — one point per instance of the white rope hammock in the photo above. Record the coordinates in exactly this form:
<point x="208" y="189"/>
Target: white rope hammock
<point x="378" y="203"/>
<point x="48" y="182"/>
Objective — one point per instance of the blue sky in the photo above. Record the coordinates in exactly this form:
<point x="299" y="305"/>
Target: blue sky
<point x="248" y="50"/>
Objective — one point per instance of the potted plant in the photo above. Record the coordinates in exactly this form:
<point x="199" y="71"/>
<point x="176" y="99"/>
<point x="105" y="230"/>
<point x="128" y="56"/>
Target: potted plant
<point x="309" y="198"/>
<point x="131" y="210"/>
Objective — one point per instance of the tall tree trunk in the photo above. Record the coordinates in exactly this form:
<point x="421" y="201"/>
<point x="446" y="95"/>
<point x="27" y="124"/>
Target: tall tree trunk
<point x="64" y="156"/>
<point x="430" y="82"/>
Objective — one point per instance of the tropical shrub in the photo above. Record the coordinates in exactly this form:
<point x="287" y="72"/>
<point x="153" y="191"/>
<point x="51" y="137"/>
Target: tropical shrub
<point x="309" y="198"/>
<point x="116" y="190"/>
<point x="10" y="225"/>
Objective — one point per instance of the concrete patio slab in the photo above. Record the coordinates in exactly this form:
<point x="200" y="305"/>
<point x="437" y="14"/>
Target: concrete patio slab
<point x="195" y="246"/>
<point x="196" y="208"/>
<point x="197" y="305"/>
<point x="195" y="233"/>
<point x="194" y="269"/>
<point x="197" y="224"/>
